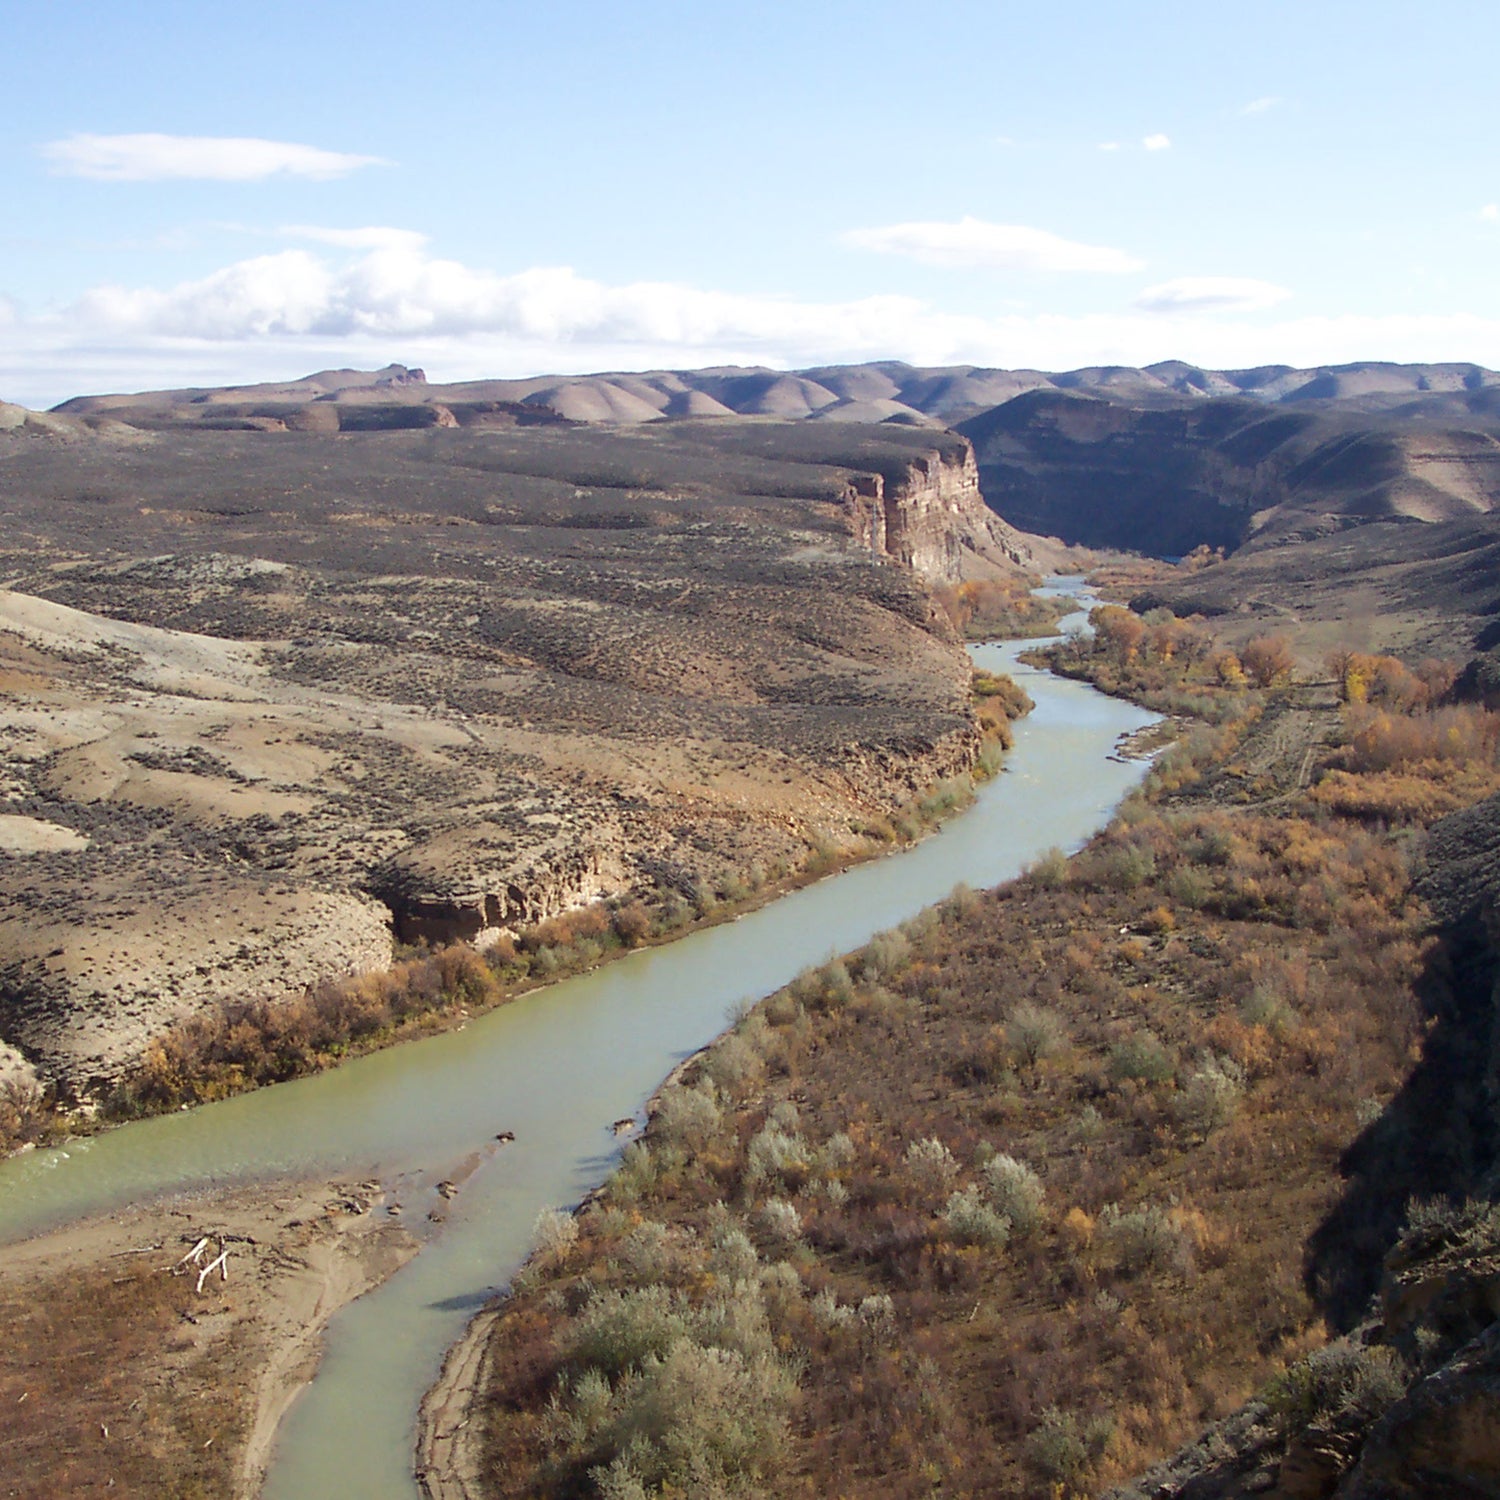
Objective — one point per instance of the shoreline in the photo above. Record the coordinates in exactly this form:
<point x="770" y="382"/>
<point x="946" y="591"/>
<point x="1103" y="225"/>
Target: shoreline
<point x="298" y="1252"/>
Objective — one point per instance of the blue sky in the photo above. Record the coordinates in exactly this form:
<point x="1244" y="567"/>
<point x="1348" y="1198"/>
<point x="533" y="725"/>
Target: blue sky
<point x="200" y="195"/>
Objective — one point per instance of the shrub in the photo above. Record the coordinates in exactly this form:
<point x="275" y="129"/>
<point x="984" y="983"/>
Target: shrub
<point x="777" y="1158"/>
<point x="1141" y="1240"/>
<point x="1035" y="1032"/>
<point x="780" y="1222"/>
<point x="1344" y="1377"/>
<point x="1015" y="1191"/>
<point x="971" y="1220"/>
<point x="697" y="1419"/>
<point x="1141" y="1056"/>
<point x="632" y="924"/>
<point x="1211" y="1098"/>
<point x="884" y="954"/>
<point x="647" y="1252"/>
<point x="1049" y="870"/>
<point x="689" y="1117"/>
<point x="554" y="1233"/>
<point x="733" y="1063"/>
<point x="734" y="1258"/>
<point x="931" y="1164"/>
<point x="1062" y="1447"/>
<point x="1267" y="1007"/>
<point x="617" y="1331"/>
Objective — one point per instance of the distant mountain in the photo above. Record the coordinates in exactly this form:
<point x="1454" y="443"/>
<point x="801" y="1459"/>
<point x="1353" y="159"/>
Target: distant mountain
<point x="888" y="391"/>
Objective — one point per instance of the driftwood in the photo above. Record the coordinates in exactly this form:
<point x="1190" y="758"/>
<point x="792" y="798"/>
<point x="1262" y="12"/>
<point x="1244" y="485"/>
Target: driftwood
<point x="194" y="1257"/>
<point x="220" y="1264"/>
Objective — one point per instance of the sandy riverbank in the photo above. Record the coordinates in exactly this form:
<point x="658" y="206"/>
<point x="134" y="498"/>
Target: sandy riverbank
<point x="103" y="1343"/>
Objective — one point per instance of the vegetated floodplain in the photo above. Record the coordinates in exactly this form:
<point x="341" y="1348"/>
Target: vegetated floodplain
<point x="1018" y="1197"/>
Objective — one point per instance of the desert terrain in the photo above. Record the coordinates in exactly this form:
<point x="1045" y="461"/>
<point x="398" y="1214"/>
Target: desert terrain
<point x="273" y="699"/>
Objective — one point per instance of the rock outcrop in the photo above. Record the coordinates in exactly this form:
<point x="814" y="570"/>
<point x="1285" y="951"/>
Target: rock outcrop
<point x="931" y="517"/>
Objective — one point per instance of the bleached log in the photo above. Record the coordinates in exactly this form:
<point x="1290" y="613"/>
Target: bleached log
<point x="194" y="1253"/>
<point x="220" y="1264"/>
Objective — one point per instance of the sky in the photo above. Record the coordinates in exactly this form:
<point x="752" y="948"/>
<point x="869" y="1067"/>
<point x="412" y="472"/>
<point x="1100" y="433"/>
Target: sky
<point x="201" y="195"/>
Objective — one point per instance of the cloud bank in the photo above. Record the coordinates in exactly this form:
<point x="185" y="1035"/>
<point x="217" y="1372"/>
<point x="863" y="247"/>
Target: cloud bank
<point x="299" y="309"/>
<point x="160" y="158"/>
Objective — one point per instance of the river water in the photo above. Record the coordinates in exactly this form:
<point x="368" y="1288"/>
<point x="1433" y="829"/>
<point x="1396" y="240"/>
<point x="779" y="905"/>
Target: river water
<point x="556" y="1067"/>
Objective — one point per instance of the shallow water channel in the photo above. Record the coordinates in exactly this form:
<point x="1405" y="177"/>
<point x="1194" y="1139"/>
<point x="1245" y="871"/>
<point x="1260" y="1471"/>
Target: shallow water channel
<point x="556" y="1067"/>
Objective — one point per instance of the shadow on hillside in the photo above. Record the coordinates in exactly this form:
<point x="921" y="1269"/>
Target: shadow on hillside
<point x="1438" y="1137"/>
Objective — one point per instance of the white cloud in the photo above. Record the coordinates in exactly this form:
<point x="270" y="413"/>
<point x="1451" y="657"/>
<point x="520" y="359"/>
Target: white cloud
<point x="1207" y="294"/>
<point x="1109" y="145"/>
<point x="369" y="237"/>
<point x="1261" y="105"/>
<point x="1004" y="247"/>
<point x="1490" y="213"/>
<point x="156" y="158"/>
<point x="280" y="315"/>
<point x="1157" y="142"/>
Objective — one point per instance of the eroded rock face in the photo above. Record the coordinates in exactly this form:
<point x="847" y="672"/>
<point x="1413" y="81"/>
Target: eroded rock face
<point x="932" y="518"/>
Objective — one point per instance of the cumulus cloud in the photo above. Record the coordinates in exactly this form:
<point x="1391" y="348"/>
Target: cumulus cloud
<point x="1157" y="142"/>
<point x="157" y="158"/>
<point x="1490" y="213"/>
<point x="971" y="242"/>
<point x="1261" y="105"/>
<point x="1207" y="294"/>
<point x="279" y="315"/>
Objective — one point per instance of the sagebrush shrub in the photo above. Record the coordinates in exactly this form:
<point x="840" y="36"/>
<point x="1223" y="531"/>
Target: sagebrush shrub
<point x="971" y="1220"/>
<point x="1141" y="1056"/>
<point x="1016" y="1192"/>
<point x="931" y="1164"/>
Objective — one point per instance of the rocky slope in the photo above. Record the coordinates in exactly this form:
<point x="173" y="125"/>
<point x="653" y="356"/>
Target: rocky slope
<point x="267" y="697"/>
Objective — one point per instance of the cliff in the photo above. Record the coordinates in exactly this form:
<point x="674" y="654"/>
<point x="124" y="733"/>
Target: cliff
<point x="930" y="516"/>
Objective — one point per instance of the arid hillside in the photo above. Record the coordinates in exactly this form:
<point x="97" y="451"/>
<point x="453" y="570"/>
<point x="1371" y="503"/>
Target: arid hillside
<point x="269" y="696"/>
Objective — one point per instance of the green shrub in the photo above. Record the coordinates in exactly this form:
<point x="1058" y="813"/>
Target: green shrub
<point x="1049" y="870"/>
<point x="777" y="1159"/>
<point x="554" y="1233"/>
<point x="1062" y="1447"/>
<point x="971" y="1220"/>
<point x="1016" y="1192"/>
<point x="1141" y="1056"/>
<point x="689" y="1117"/>
<point x="931" y="1164"/>
<point x="1141" y="1240"/>
<point x="1034" y="1032"/>
<point x="1344" y="1377"/>
<point x="1211" y="1098"/>
<point x="617" y="1331"/>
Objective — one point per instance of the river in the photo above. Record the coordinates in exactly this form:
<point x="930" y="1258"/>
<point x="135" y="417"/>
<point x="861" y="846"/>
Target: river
<point x="556" y="1067"/>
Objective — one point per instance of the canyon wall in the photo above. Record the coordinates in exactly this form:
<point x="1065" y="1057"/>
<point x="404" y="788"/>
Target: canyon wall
<point x="932" y="518"/>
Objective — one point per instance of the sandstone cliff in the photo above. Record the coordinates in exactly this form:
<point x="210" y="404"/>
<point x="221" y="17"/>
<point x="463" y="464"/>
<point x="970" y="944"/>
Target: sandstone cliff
<point x="931" y="517"/>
